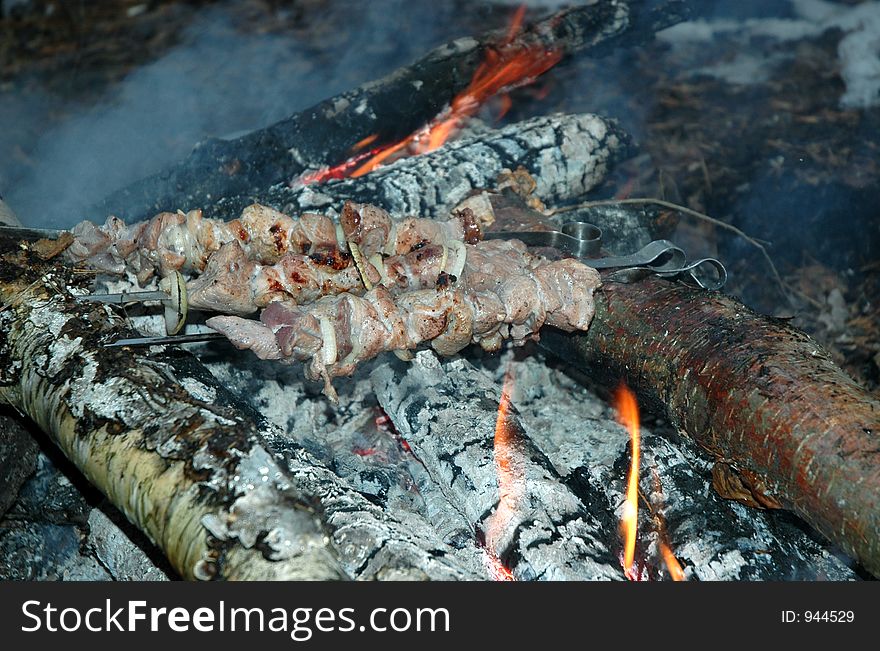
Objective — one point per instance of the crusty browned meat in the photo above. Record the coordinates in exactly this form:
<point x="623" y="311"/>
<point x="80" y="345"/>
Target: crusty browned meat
<point x="186" y="242"/>
<point x="232" y="283"/>
<point x="374" y="231"/>
<point x="336" y="333"/>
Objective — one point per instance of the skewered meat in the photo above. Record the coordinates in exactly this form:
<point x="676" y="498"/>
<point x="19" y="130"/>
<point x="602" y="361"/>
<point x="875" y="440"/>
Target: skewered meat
<point x="374" y="231"/>
<point x="186" y="242"/>
<point x="336" y="333"/>
<point x="234" y="284"/>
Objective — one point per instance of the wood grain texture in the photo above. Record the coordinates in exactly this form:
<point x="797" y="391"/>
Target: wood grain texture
<point x="758" y="394"/>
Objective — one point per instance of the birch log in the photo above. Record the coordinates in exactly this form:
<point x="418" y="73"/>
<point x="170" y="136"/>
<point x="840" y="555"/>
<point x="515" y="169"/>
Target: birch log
<point x="174" y="452"/>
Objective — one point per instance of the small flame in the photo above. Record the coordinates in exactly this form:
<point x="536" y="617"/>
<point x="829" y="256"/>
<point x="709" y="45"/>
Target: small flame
<point x="344" y="169"/>
<point x="676" y="573"/>
<point x="510" y="483"/>
<point x="506" y="66"/>
<point x="672" y="564"/>
<point x="628" y="414"/>
<point x="515" y="24"/>
<point x="369" y="140"/>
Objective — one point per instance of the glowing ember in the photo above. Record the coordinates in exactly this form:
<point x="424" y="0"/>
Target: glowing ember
<point x="628" y="414"/>
<point x="497" y="570"/>
<point x="341" y="171"/>
<point x="510" y="483"/>
<point x="505" y="67"/>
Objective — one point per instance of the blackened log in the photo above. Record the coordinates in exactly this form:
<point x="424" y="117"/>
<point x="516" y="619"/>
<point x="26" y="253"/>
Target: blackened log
<point x="59" y="528"/>
<point x="567" y="155"/>
<point x="759" y="395"/>
<point x="393" y="107"/>
<point x="18" y="450"/>
<point x="173" y="450"/>
<point x="18" y="458"/>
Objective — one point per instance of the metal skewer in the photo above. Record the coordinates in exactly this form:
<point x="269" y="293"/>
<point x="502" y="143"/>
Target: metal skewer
<point x="122" y="298"/>
<point x="172" y="293"/>
<point x="196" y="337"/>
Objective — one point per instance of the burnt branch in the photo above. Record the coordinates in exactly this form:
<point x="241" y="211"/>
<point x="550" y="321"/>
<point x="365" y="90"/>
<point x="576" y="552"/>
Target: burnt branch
<point x="393" y="107"/>
<point x="567" y="155"/>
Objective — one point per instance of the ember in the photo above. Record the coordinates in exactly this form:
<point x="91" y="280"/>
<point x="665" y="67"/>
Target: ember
<point x="672" y="564"/>
<point x="505" y="67"/>
<point x="510" y="479"/>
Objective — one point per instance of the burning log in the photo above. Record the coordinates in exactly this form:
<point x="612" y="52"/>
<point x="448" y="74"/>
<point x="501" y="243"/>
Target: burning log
<point x="759" y="395"/>
<point x="173" y="451"/>
<point x="567" y="155"/>
<point x="714" y="538"/>
<point x="535" y="470"/>
<point x="390" y="108"/>
<point x="787" y="426"/>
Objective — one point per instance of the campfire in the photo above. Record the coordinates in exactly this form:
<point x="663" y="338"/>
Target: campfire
<point x="395" y="365"/>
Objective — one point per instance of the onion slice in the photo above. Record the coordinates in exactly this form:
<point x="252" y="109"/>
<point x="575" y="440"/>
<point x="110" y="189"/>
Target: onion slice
<point x="340" y="237"/>
<point x="176" y="305"/>
<point x="359" y="263"/>
<point x="328" y="337"/>
<point x="457" y="258"/>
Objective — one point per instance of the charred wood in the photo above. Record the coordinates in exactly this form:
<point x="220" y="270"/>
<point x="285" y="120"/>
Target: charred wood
<point x="554" y="512"/>
<point x="393" y="107"/>
<point x="713" y="538"/>
<point x="787" y="426"/>
<point x="18" y="457"/>
<point x="567" y="155"/>
<point x="59" y="528"/>
<point x="759" y="395"/>
<point x="530" y="520"/>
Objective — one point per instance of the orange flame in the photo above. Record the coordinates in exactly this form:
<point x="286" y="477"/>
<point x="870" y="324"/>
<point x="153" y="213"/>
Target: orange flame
<point x="506" y="66"/>
<point x="628" y="414"/>
<point x="510" y="483"/>
<point x="676" y="573"/>
<point x="672" y="564"/>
